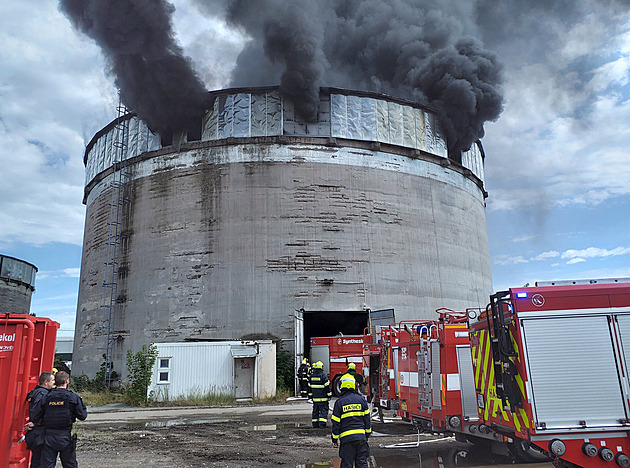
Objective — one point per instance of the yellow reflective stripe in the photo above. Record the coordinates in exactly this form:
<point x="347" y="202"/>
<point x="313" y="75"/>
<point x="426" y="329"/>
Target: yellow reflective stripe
<point x="353" y="431"/>
<point x="358" y="414"/>
<point x="317" y="386"/>
<point x="368" y="431"/>
<point x="335" y="418"/>
<point x="320" y="399"/>
<point x="335" y="436"/>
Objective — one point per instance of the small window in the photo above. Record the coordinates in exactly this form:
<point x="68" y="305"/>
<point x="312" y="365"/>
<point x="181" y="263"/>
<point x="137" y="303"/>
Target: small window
<point x="164" y="370"/>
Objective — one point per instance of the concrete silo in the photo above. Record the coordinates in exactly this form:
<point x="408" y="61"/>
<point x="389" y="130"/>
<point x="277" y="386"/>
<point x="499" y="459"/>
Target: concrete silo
<point x="265" y="226"/>
<point x="17" y="283"/>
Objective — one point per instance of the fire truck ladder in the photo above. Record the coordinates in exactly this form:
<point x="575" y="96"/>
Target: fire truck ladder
<point x="114" y="239"/>
<point x="503" y="351"/>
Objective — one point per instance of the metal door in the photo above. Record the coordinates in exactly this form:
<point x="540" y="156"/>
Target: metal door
<point x="298" y="341"/>
<point x="321" y="353"/>
<point x="244" y="378"/>
<point x="467" y="383"/>
<point x="573" y="372"/>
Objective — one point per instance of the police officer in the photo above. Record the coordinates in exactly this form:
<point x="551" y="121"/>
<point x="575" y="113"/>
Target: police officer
<point x="59" y="410"/>
<point x="352" y="370"/>
<point x="319" y="391"/>
<point x="303" y="373"/>
<point x="351" y="425"/>
<point x="34" y="436"/>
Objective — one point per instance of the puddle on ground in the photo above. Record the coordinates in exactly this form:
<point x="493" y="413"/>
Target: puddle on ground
<point x="436" y="455"/>
<point x="177" y="422"/>
<point x="273" y="427"/>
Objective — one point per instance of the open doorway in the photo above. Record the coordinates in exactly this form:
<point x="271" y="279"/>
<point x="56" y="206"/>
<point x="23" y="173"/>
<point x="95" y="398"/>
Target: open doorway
<point x="330" y="323"/>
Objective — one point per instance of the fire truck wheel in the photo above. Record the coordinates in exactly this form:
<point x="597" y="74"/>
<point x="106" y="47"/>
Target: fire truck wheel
<point x="336" y="386"/>
<point x="524" y="452"/>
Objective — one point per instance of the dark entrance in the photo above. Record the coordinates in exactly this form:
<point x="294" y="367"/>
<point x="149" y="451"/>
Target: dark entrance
<point x="332" y="323"/>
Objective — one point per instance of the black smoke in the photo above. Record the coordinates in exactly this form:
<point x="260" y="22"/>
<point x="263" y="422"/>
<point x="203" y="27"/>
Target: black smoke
<point x="155" y="79"/>
<point x="416" y="49"/>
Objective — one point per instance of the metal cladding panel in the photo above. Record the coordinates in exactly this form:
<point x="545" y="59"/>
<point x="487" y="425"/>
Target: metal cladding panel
<point x="436" y="375"/>
<point x="473" y="160"/>
<point x="467" y="383"/>
<point x="195" y="369"/>
<point x="209" y="125"/>
<point x="623" y="325"/>
<point x="573" y="372"/>
<point x="321" y="353"/>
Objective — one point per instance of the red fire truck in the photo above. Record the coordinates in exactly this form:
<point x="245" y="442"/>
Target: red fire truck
<point x="425" y="374"/>
<point x="551" y="367"/>
<point x="27" y="348"/>
<point x="336" y="352"/>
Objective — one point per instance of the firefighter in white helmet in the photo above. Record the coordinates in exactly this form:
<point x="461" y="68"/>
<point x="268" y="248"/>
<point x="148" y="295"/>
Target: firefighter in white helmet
<point x="319" y="391"/>
<point x="351" y="425"/>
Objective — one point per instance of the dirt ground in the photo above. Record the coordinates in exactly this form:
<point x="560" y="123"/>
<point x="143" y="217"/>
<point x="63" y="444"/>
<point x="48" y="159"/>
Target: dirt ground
<point x="251" y="436"/>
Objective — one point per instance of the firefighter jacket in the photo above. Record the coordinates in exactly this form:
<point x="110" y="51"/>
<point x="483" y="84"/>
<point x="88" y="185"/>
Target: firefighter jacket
<point x="319" y="386"/>
<point x="350" y="418"/>
<point x="358" y="378"/>
<point x="303" y="372"/>
<point x="60" y="409"/>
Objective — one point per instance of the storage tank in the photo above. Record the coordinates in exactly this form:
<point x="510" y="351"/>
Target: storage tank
<point x="263" y="226"/>
<point x="17" y="283"/>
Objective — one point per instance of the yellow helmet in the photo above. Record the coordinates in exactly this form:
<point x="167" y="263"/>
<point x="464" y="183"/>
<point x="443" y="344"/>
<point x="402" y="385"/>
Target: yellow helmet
<point x="318" y="365"/>
<point x="304" y="361"/>
<point x="352" y="366"/>
<point x="347" y="382"/>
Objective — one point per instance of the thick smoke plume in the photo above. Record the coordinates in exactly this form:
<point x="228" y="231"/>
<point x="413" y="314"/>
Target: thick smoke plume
<point x="416" y="49"/>
<point x="155" y="80"/>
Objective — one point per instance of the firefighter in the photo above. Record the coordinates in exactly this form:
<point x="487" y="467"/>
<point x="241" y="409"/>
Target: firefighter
<point x="352" y="370"/>
<point x="319" y="391"/>
<point x="59" y="410"/>
<point x="351" y="425"/>
<point x="34" y="436"/>
<point x="303" y="373"/>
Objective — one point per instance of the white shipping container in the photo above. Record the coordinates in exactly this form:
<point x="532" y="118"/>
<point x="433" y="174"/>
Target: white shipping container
<point x="244" y="369"/>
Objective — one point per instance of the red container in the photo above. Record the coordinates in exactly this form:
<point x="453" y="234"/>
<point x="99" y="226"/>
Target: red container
<point x="27" y="348"/>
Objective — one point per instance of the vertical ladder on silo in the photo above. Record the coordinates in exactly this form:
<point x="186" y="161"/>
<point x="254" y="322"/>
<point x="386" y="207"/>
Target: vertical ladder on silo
<point x="114" y="239"/>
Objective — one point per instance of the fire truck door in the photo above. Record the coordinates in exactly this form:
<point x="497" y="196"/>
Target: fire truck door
<point x="467" y="383"/>
<point x="623" y="326"/>
<point x="321" y="353"/>
<point x="395" y="353"/>
<point x="573" y="371"/>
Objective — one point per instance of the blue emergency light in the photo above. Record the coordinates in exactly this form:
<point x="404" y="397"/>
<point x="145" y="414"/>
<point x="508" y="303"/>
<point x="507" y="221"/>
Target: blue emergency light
<point x="521" y="295"/>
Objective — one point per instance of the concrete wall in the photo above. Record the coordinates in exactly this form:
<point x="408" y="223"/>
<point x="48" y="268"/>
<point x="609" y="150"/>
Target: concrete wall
<point x="226" y="241"/>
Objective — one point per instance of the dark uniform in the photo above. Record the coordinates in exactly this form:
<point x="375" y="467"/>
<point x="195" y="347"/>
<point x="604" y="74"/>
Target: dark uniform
<point x="319" y="392"/>
<point x="35" y="437"/>
<point x="351" y="429"/>
<point x="303" y="373"/>
<point x="357" y="377"/>
<point x="60" y="409"/>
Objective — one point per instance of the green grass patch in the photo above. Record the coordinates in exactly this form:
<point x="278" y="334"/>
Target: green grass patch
<point x="101" y="398"/>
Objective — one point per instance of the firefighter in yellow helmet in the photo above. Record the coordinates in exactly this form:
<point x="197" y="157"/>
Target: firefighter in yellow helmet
<point x="303" y="372"/>
<point x="351" y="425"/>
<point x="319" y="391"/>
<point x="352" y="370"/>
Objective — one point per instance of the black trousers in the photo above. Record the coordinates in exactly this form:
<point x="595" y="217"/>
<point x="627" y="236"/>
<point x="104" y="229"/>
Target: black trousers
<point x="303" y="388"/>
<point x="320" y="414"/>
<point x="354" y="454"/>
<point x="36" y="456"/>
<point x="59" y="443"/>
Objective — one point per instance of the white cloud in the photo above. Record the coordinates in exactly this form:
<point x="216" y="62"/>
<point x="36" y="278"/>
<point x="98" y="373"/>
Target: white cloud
<point x="506" y="260"/>
<point x="595" y="252"/>
<point x="63" y="273"/>
<point x="576" y="260"/>
<point x="546" y="255"/>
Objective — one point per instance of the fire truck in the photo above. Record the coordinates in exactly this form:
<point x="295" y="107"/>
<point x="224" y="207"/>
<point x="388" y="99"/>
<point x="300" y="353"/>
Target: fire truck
<point x="551" y="369"/>
<point x="336" y="352"/>
<point x="27" y="348"/>
<point x="425" y="374"/>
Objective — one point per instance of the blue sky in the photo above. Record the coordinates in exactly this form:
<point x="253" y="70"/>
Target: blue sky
<point x="557" y="160"/>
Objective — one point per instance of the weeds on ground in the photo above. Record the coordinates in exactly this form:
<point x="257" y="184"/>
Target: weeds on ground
<point x="103" y="397"/>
